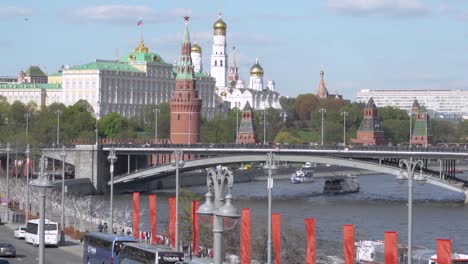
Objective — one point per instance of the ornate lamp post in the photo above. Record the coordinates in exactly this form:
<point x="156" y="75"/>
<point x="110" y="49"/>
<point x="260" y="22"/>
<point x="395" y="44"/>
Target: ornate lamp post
<point x="216" y="182"/>
<point x="43" y="183"/>
<point x="269" y="187"/>
<point x="8" y="149"/>
<point x="322" y="111"/>
<point x="410" y="165"/>
<point x="63" y="154"/>
<point x="178" y="163"/>
<point x="112" y="158"/>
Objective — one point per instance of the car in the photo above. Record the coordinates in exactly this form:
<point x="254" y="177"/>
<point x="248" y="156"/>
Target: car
<point x="7" y="250"/>
<point x="20" y="232"/>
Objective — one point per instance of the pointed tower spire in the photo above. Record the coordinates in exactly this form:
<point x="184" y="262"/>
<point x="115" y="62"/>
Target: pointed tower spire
<point x="322" y="91"/>
<point x="185" y="105"/>
<point x="246" y="134"/>
<point x="233" y="69"/>
<point x="370" y="132"/>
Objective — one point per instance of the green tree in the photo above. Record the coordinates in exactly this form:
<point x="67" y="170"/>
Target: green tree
<point x="388" y="112"/>
<point x="305" y="105"/>
<point x="444" y="131"/>
<point x="287" y="137"/>
<point x="112" y="124"/>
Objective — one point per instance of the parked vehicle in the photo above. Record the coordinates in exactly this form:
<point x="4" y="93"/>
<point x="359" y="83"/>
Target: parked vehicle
<point x="7" y="250"/>
<point x="102" y="248"/>
<point x="32" y="232"/>
<point x="20" y="232"/>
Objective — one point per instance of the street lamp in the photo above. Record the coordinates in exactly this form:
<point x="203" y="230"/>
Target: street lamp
<point x="63" y="154"/>
<point x="8" y="149"/>
<point x="156" y="112"/>
<point x="264" y="127"/>
<point x="344" y="114"/>
<point x="27" y="115"/>
<point x="410" y="128"/>
<point x="42" y="183"/>
<point x="59" y="112"/>
<point x="178" y="163"/>
<point x="53" y="160"/>
<point x="97" y="131"/>
<point x="322" y="110"/>
<point x="28" y="151"/>
<point x="270" y="158"/>
<point x="237" y="125"/>
<point x="216" y="181"/>
<point x="410" y="165"/>
<point x="112" y="158"/>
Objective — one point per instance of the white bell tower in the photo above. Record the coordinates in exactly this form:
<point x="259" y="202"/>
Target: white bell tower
<point x="219" y="58"/>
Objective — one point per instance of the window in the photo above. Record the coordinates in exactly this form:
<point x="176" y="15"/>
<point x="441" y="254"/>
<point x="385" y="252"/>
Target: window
<point x="178" y="117"/>
<point x="220" y="63"/>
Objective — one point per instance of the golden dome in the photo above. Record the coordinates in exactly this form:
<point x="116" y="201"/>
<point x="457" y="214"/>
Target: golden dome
<point x="141" y="47"/>
<point x="195" y="48"/>
<point x="223" y="94"/>
<point x="220" y="26"/>
<point x="256" y="69"/>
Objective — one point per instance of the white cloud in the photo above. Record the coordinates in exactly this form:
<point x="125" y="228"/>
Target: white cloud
<point x="386" y="8"/>
<point x="122" y="14"/>
<point x="11" y="11"/>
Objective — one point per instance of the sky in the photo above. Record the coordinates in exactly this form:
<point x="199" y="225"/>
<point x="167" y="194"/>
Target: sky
<point x="361" y="44"/>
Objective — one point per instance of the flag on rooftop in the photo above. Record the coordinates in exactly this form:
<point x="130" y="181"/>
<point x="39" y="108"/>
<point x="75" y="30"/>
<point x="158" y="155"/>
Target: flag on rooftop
<point x="140" y="22"/>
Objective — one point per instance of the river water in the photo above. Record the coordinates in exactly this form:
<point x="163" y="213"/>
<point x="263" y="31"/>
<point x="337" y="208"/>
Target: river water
<point x="381" y="205"/>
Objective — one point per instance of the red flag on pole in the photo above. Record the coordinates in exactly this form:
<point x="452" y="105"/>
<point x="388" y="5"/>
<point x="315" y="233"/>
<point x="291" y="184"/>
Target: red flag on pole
<point x="310" y="251"/>
<point x="195" y="227"/>
<point x="391" y="247"/>
<point x="276" y="233"/>
<point x="245" y="236"/>
<point x="172" y="226"/>
<point x="136" y="215"/>
<point x="348" y="239"/>
<point x="153" y="219"/>
<point x="140" y="22"/>
<point x="444" y="251"/>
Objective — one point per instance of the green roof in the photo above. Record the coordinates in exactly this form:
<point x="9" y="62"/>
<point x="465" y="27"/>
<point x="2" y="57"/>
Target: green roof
<point x="106" y="65"/>
<point x="34" y="71"/>
<point x="56" y="74"/>
<point x="142" y="57"/>
<point x="49" y="86"/>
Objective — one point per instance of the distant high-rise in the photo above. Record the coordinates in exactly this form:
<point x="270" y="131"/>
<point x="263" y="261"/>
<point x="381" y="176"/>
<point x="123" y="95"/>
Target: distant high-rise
<point x="185" y="105"/>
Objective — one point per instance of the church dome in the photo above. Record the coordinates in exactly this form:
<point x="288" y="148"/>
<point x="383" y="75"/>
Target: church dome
<point x="195" y="48"/>
<point x="256" y="69"/>
<point x="220" y="24"/>
<point x="223" y="94"/>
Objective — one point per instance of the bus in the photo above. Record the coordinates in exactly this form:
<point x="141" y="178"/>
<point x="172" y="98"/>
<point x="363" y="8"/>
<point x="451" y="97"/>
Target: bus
<point x="141" y="253"/>
<point x="103" y="248"/>
<point x="51" y="232"/>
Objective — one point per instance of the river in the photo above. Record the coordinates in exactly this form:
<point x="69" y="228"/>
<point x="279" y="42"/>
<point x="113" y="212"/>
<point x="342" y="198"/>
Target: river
<point x="381" y="205"/>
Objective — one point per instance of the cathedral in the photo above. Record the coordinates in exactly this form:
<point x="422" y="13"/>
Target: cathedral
<point x="229" y="86"/>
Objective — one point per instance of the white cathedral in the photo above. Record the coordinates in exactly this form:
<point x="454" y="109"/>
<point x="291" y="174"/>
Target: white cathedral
<point x="228" y="85"/>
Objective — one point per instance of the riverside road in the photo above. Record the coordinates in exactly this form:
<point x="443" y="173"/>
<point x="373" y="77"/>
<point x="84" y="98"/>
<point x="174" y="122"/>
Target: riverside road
<point x="27" y="254"/>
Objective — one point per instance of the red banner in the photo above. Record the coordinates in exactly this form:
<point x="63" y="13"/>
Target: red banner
<point x="444" y="251"/>
<point x="153" y="221"/>
<point x="195" y="229"/>
<point x="172" y="215"/>
<point x="245" y="236"/>
<point x="391" y="247"/>
<point x="310" y="251"/>
<point x="136" y="215"/>
<point x="348" y="239"/>
<point x="276" y="233"/>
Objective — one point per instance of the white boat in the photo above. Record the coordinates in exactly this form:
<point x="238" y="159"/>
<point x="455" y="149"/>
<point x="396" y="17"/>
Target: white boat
<point x="341" y="185"/>
<point x="373" y="252"/>
<point x="301" y="176"/>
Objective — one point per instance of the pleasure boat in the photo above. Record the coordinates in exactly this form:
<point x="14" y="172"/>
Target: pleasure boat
<point x="301" y="176"/>
<point x="341" y="185"/>
<point x="373" y="252"/>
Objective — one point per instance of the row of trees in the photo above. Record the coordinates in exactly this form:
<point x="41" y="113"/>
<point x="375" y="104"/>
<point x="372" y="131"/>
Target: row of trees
<point x="299" y="122"/>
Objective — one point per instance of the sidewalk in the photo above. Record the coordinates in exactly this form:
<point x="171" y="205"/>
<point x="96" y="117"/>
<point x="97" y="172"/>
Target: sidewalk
<point x="72" y="246"/>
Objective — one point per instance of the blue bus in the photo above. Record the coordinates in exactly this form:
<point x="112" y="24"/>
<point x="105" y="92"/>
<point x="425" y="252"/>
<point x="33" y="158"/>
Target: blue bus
<point x="140" y="253"/>
<point x="103" y="248"/>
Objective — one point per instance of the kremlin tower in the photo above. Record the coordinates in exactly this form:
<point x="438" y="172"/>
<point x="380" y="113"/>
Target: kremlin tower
<point x="185" y="105"/>
<point x="246" y="134"/>
<point x="233" y="69"/>
<point x="370" y="132"/>
<point x="219" y="58"/>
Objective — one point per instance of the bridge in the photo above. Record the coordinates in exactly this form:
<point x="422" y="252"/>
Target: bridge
<point x="132" y="164"/>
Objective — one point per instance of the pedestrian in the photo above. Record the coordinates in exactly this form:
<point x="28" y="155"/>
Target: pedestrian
<point x="122" y="232"/>
<point x="142" y="236"/>
<point x="100" y="227"/>
<point x="129" y="232"/>
<point x="148" y="236"/>
<point x="105" y="228"/>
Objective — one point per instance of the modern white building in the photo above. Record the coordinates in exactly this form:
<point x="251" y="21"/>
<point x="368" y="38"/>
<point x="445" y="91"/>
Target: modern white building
<point x="443" y="101"/>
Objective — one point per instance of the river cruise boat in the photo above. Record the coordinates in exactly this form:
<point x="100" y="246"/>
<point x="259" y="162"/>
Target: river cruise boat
<point x="301" y="176"/>
<point x="341" y="185"/>
<point x="373" y="252"/>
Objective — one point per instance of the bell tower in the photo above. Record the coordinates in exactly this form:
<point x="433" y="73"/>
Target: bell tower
<point x="219" y="58"/>
<point x="185" y="105"/>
